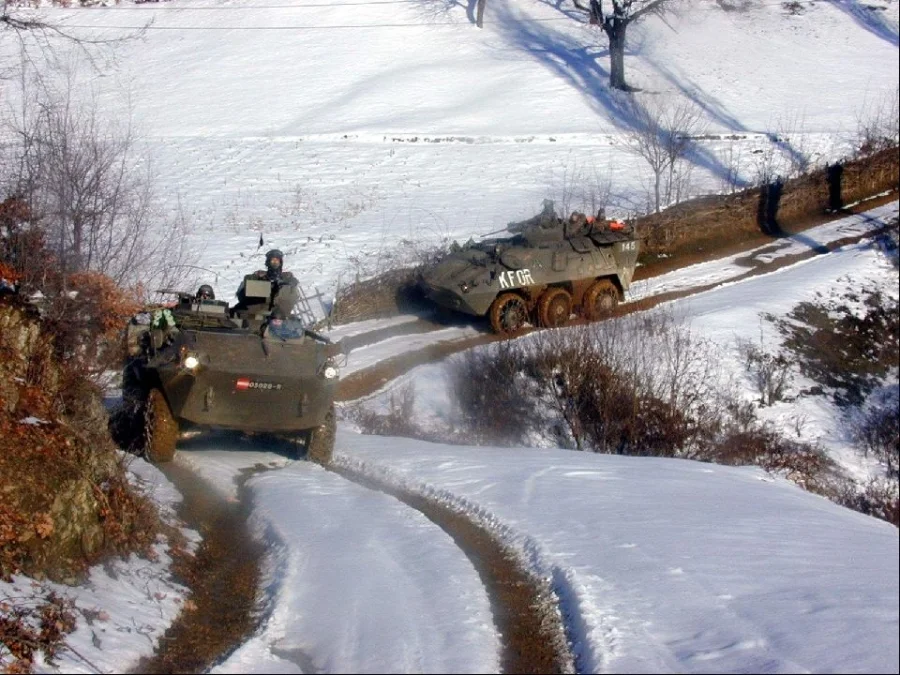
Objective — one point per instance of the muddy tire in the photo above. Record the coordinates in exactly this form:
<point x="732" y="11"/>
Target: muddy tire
<point x="508" y="314"/>
<point x="126" y="420"/>
<point x="600" y="300"/>
<point x="160" y="429"/>
<point x="320" y="441"/>
<point x="554" y="308"/>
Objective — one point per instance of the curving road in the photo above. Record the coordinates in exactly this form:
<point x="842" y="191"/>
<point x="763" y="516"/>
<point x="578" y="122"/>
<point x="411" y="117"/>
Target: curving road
<point x="347" y="576"/>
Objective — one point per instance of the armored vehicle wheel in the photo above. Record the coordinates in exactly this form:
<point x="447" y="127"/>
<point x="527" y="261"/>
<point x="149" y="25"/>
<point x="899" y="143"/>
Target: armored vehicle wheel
<point x="508" y="313"/>
<point x="160" y="430"/>
<point x="320" y="441"/>
<point x="599" y="300"/>
<point x="554" y="308"/>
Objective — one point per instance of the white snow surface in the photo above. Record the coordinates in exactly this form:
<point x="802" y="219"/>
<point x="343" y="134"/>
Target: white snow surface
<point x="674" y="566"/>
<point x="353" y="135"/>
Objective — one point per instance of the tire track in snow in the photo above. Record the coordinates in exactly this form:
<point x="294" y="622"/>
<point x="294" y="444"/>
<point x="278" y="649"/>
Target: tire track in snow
<point x="525" y="612"/>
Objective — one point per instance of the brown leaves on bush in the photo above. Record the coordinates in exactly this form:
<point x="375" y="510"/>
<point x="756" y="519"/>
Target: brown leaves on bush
<point x="33" y="624"/>
<point x="67" y="450"/>
<point x="43" y="525"/>
<point x="8" y="273"/>
<point x="88" y="320"/>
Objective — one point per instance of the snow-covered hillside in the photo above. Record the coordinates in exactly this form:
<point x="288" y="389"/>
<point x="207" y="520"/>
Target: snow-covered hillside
<point x="348" y="130"/>
<point x="351" y="132"/>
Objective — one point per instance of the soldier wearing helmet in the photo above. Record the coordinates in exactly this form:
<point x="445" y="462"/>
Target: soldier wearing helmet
<point x="285" y="288"/>
<point x="205" y="292"/>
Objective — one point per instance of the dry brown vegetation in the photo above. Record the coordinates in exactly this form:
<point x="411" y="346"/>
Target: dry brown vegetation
<point x="67" y="502"/>
<point x="846" y="345"/>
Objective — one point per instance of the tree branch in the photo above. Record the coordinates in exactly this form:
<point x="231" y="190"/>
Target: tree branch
<point x="654" y="6"/>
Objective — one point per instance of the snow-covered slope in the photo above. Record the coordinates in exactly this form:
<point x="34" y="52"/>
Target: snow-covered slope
<point x="346" y="130"/>
<point x="350" y="131"/>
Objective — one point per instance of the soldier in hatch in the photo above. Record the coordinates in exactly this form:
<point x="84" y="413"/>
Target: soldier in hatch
<point x="285" y="288"/>
<point x="205" y="292"/>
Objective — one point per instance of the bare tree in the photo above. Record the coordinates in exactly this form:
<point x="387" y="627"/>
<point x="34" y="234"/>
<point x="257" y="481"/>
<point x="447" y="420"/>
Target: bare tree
<point x="614" y="17"/>
<point x="22" y="20"/>
<point x="662" y="136"/>
<point x="89" y="185"/>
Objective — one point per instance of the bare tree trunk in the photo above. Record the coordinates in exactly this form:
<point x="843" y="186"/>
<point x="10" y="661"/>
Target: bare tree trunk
<point x="657" y="177"/>
<point x="77" y="232"/>
<point x="479" y="16"/>
<point x="616" y="33"/>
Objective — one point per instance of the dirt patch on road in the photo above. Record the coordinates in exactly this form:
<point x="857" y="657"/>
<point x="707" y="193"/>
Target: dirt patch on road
<point x="223" y="577"/>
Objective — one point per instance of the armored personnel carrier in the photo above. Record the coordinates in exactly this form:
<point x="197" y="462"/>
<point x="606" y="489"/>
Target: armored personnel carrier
<point x="200" y="364"/>
<point x="544" y="271"/>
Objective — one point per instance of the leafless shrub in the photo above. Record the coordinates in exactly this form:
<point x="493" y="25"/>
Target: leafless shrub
<point x="661" y="135"/>
<point x="732" y="159"/>
<point x="498" y="401"/>
<point x="396" y="420"/>
<point x="878" y="124"/>
<point x="766" y="163"/>
<point x="424" y="245"/>
<point x="878" y="432"/>
<point x="640" y="385"/>
<point x="791" y="140"/>
<point x="802" y="463"/>
<point x="785" y="151"/>
<point x="793" y="7"/>
<point x="877" y="497"/>
<point x="772" y="373"/>
<point x="384" y="295"/>
<point x="799" y="422"/>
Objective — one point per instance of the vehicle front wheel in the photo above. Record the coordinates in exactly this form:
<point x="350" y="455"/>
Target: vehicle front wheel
<point x="320" y="440"/>
<point x="160" y="429"/>
<point x="508" y="314"/>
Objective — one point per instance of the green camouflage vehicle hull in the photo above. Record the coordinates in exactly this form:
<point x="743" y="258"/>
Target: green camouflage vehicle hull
<point x="544" y="274"/>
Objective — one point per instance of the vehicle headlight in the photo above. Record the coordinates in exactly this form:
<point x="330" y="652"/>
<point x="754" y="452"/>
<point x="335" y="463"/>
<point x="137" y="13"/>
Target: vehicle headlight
<point x="191" y="361"/>
<point x="330" y="372"/>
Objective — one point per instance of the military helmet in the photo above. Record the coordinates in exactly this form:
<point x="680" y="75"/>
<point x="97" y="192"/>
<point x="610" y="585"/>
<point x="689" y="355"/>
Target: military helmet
<point x="274" y="259"/>
<point x="205" y="292"/>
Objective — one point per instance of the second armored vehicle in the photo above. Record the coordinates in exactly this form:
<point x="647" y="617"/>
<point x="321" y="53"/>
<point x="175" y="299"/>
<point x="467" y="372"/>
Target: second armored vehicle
<point x="544" y="272"/>
<point x="200" y="364"/>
